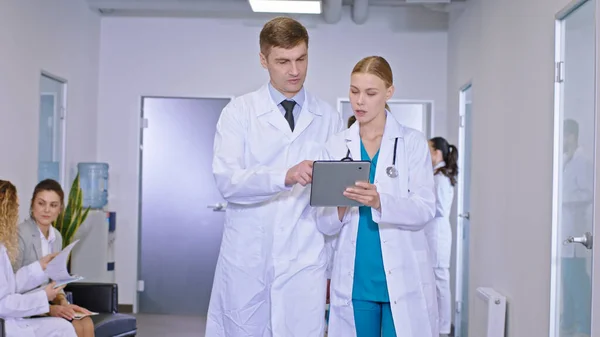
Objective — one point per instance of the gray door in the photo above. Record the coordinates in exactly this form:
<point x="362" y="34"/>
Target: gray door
<point x="180" y="234"/>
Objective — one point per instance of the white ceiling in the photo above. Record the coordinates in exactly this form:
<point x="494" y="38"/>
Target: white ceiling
<point x="230" y="8"/>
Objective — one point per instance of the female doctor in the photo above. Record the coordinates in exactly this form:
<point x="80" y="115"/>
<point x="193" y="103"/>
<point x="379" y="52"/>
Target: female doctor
<point x="382" y="280"/>
<point x="444" y="158"/>
<point x="15" y="305"/>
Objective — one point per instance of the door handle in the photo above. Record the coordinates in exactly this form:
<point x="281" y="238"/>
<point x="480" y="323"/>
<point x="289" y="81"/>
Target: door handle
<point x="219" y="207"/>
<point x="587" y="240"/>
<point x="465" y="215"/>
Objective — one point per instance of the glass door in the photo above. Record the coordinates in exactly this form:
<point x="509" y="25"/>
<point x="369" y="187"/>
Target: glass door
<point x="574" y="170"/>
<point x="51" y="132"/>
<point x="461" y="317"/>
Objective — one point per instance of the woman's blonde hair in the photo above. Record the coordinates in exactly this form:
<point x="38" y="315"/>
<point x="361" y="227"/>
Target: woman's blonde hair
<point x="9" y="217"/>
<point x="378" y="66"/>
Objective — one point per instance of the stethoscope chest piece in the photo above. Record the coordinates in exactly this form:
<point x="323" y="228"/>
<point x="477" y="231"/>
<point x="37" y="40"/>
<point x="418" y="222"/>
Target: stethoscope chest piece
<point x="391" y="171"/>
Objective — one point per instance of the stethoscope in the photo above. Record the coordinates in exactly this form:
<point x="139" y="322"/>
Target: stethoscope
<point x="391" y="170"/>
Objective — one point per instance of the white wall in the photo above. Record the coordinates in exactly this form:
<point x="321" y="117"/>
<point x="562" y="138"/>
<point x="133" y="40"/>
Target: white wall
<point x="507" y="49"/>
<point x="210" y="57"/>
<point x="62" y="38"/>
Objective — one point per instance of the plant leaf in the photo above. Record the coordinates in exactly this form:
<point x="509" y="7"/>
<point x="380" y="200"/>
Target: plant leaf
<point x="71" y="218"/>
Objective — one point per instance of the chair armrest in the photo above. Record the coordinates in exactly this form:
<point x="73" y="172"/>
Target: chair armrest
<point x="2" y="332"/>
<point x="97" y="297"/>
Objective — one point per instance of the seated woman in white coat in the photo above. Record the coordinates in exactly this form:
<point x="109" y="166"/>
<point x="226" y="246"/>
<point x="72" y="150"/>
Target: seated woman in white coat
<point x="14" y="304"/>
<point x="382" y="281"/>
<point x="444" y="158"/>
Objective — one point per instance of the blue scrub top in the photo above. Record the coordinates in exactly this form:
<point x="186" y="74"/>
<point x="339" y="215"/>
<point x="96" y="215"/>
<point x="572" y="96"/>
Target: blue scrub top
<point x="369" y="275"/>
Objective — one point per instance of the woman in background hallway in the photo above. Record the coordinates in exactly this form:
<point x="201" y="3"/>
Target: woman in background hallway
<point x="37" y="237"/>
<point x="14" y="306"/>
<point x="444" y="158"/>
<point x="382" y="282"/>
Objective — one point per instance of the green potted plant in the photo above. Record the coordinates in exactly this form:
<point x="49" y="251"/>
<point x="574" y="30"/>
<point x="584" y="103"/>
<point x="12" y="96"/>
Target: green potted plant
<point x="73" y="215"/>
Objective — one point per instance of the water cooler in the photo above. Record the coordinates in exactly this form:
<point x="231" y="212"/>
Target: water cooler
<point x="93" y="256"/>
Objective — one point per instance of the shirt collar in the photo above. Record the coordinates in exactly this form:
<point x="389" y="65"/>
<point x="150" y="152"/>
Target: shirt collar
<point x="51" y="235"/>
<point x="278" y="97"/>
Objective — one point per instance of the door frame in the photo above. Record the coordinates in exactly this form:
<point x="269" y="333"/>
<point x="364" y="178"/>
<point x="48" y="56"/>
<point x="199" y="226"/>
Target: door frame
<point x="428" y="103"/>
<point x="555" y="274"/>
<point x="61" y="107"/>
<point x="141" y="128"/>
<point x="459" y="280"/>
<point x="596" y="252"/>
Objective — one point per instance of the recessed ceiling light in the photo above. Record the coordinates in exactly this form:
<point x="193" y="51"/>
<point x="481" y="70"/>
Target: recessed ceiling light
<point x="286" y="6"/>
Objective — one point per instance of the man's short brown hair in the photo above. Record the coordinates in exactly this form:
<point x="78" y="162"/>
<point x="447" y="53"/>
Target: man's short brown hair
<point x="282" y="32"/>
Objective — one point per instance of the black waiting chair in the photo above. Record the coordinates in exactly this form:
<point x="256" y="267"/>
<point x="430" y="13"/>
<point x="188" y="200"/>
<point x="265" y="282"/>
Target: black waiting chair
<point x="103" y="299"/>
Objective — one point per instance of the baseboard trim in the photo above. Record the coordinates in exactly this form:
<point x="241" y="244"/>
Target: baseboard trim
<point x="125" y="308"/>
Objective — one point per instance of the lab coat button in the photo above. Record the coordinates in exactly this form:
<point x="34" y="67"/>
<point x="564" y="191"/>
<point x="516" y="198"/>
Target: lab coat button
<point x="390" y="272"/>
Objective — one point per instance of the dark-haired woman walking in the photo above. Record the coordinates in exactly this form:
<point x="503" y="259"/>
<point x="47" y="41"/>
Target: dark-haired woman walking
<point x="444" y="158"/>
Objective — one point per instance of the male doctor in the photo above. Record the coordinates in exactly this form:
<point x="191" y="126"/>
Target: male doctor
<point x="270" y="276"/>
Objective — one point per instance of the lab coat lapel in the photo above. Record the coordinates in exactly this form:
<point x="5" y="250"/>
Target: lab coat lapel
<point x="386" y="150"/>
<point x="267" y="110"/>
<point x="353" y="142"/>
<point x="309" y="110"/>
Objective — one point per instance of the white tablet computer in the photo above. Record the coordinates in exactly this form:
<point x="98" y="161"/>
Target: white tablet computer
<point x="331" y="178"/>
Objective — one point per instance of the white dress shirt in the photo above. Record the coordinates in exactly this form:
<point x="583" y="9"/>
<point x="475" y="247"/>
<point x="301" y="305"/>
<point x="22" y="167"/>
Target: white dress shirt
<point x="47" y="242"/>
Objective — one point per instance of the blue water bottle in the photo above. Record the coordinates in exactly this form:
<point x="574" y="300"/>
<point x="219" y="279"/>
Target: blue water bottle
<point x="93" y="178"/>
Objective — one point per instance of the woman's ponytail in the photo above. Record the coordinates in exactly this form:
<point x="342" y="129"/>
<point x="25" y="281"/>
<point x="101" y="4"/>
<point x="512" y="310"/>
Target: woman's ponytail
<point x="450" y="157"/>
<point x="451" y="160"/>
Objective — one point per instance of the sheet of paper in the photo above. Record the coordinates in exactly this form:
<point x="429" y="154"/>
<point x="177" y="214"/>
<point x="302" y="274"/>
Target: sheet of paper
<point x="67" y="281"/>
<point x="57" y="268"/>
<point x="80" y="315"/>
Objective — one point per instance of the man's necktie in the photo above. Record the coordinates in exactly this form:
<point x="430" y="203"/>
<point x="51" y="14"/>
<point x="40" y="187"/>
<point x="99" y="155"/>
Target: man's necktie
<point x="289" y="115"/>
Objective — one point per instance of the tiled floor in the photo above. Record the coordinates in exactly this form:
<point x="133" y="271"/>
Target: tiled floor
<point x="170" y="326"/>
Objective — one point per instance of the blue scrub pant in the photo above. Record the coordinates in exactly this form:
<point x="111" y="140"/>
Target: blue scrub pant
<point x="373" y="319"/>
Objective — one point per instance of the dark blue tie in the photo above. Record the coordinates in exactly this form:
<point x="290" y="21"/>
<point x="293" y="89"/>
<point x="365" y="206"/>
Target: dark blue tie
<point x="289" y="115"/>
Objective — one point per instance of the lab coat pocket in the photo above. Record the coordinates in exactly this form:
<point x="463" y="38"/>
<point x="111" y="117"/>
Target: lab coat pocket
<point x="396" y="187"/>
<point x="243" y="235"/>
<point x="427" y="279"/>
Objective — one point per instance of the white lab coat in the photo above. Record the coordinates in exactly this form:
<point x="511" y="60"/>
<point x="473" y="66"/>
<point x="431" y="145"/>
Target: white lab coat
<point x="439" y="238"/>
<point x="438" y="231"/>
<point x="14" y="305"/>
<point x="270" y="278"/>
<point x="407" y="204"/>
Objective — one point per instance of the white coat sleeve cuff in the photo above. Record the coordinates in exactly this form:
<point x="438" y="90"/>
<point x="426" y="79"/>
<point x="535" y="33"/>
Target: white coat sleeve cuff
<point x="376" y="213"/>
<point x="328" y="220"/>
<point x="347" y="217"/>
<point x="280" y="179"/>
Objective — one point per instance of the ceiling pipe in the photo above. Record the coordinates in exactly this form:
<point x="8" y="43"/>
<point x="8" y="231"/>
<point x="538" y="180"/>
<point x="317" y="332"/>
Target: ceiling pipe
<point x="439" y="7"/>
<point x="360" y="11"/>
<point x="332" y="10"/>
